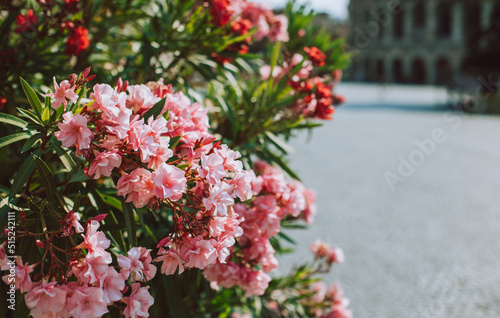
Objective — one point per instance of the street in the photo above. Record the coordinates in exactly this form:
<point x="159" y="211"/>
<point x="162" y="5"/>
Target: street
<point x="411" y="193"/>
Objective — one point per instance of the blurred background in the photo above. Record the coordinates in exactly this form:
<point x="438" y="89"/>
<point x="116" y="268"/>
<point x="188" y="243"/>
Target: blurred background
<point x="408" y="173"/>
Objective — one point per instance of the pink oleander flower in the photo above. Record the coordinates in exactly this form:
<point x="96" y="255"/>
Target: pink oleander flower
<point x="170" y="182"/>
<point x="21" y="279"/>
<point x="242" y="183"/>
<point x="140" y="98"/>
<point x="199" y="253"/>
<point x="104" y="163"/>
<point x="212" y="168"/>
<point x="112" y="283"/>
<point x="61" y="92"/>
<point x="278" y="30"/>
<point x="311" y="209"/>
<point x="74" y="131"/>
<point x="265" y="72"/>
<point x="163" y="153"/>
<point x="219" y="199"/>
<point x="320" y="291"/>
<point x="171" y="262"/>
<point x="141" y="137"/>
<point x="137" y="187"/>
<point x="119" y="124"/>
<point x="93" y="239"/>
<point x="137" y="265"/>
<point x="255" y="283"/>
<point x="87" y="302"/>
<point x="91" y="268"/>
<point x="72" y="221"/>
<point x="230" y="158"/>
<point x="107" y="100"/>
<point x="4" y="260"/>
<point x="46" y="300"/>
<point x="138" y="303"/>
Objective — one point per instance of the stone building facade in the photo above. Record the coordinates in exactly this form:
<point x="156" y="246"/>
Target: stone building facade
<point x="415" y="41"/>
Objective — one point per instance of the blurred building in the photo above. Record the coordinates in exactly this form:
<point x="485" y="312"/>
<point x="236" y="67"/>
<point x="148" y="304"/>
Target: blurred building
<point x="415" y="41"/>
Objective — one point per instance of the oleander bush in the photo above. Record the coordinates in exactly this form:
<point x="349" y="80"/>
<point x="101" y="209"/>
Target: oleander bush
<point x="147" y="150"/>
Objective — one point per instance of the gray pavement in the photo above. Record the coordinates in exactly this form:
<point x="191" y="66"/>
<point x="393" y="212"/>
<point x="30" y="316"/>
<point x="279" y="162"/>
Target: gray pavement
<point x="421" y="238"/>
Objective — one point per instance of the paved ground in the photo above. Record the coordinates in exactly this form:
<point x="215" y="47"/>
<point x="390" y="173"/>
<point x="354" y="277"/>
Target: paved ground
<point x="426" y="243"/>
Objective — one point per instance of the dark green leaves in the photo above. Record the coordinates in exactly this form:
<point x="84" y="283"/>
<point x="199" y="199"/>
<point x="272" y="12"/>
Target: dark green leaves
<point x="155" y="110"/>
<point x="32" y="98"/>
<point x="45" y="177"/>
<point x="13" y="138"/>
<point x="22" y="175"/>
<point x="128" y="212"/>
<point x="12" y="120"/>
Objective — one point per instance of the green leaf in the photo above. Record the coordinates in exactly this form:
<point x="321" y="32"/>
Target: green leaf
<point x="13" y="138"/>
<point x="30" y="115"/>
<point x="280" y="162"/>
<point x="174" y="141"/>
<point x="78" y="177"/>
<point x="280" y="144"/>
<point x="31" y="142"/>
<point x="46" y="177"/>
<point x="32" y="98"/>
<point x="65" y="157"/>
<point x="130" y="222"/>
<point x="155" y="110"/>
<point x="23" y="174"/>
<point x="12" y="120"/>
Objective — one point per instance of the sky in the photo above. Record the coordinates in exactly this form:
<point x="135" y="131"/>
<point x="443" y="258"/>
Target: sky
<point x="336" y="8"/>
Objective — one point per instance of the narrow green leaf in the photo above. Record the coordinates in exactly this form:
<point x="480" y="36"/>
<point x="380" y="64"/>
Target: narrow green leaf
<point x="174" y="141"/>
<point x="46" y="177"/>
<point x="12" y="120"/>
<point x="23" y="174"/>
<point x="64" y="156"/>
<point x="280" y="144"/>
<point x="7" y="140"/>
<point x="30" y="115"/>
<point x="78" y="177"/>
<point x="130" y="223"/>
<point x="32" y="98"/>
<point x="31" y="142"/>
<point x="280" y="162"/>
<point x="155" y="110"/>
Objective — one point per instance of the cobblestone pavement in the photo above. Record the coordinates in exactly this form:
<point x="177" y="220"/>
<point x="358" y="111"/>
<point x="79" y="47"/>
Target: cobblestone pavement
<point x="430" y="245"/>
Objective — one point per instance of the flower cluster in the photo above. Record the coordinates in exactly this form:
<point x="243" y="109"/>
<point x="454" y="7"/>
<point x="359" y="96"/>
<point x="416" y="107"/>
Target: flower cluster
<point x="245" y="16"/>
<point x="317" y="97"/>
<point x="58" y="21"/>
<point x="87" y="284"/>
<point x="196" y="178"/>
<point x="276" y="199"/>
<point x="328" y="302"/>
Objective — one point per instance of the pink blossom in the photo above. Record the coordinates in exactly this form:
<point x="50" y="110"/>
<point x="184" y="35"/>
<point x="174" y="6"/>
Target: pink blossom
<point x="4" y="260"/>
<point x="265" y="72"/>
<point x="225" y="275"/>
<point x="140" y="98"/>
<point x="163" y="153"/>
<point x="89" y="269"/>
<point x="225" y="226"/>
<point x="104" y="163"/>
<point x="72" y="221"/>
<point x="137" y="187"/>
<point x="93" y="239"/>
<point x="87" y="302"/>
<point x="255" y="283"/>
<point x="171" y="262"/>
<point x="320" y="291"/>
<point x="138" y="303"/>
<point x="111" y="284"/>
<point x="212" y="168"/>
<point x="141" y="137"/>
<point x="230" y="158"/>
<point x="219" y="199"/>
<point x="279" y="29"/>
<point x="46" y="300"/>
<point x="21" y="278"/>
<point x="107" y="100"/>
<point x="242" y="183"/>
<point x="61" y="92"/>
<point x="199" y="253"/>
<point x="310" y="210"/>
<point x="170" y="182"/>
<point x="118" y="124"/>
<point x="137" y="264"/>
<point x="74" y="131"/>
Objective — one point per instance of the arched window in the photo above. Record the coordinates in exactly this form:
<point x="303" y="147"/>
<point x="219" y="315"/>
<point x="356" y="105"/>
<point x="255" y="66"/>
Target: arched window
<point x="398" y="22"/>
<point x="444" y="73"/>
<point x="444" y="19"/>
<point x="397" y="71"/>
<point x="418" y="29"/>
<point x="418" y="72"/>
<point x="472" y="21"/>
